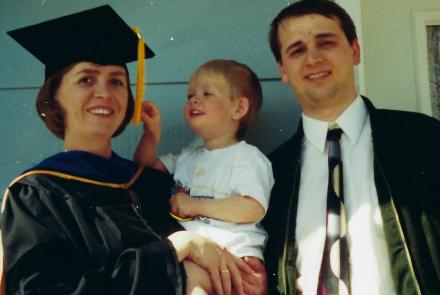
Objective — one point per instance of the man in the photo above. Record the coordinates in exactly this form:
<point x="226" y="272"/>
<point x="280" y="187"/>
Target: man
<point x="390" y="161"/>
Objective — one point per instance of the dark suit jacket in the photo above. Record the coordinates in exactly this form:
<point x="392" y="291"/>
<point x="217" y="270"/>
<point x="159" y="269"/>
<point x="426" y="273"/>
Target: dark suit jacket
<point x="407" y="177"/>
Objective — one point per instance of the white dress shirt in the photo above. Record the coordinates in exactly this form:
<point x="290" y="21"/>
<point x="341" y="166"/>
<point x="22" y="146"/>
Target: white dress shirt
<point x="370" y="266"/>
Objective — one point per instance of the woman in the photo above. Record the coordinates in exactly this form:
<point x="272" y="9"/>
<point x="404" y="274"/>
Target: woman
<point x="85" y="221"/>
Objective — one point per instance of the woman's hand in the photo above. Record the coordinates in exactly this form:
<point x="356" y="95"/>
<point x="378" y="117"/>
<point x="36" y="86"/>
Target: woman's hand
<point x="225" y="269"/>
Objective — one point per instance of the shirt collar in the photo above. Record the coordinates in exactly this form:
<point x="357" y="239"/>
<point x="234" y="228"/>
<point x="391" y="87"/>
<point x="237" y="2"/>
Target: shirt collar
<point x="315" y="131"/>
<point x="350" y="121"/>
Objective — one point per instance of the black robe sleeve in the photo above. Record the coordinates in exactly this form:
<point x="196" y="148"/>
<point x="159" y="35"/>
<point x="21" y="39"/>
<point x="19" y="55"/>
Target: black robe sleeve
<point x="43" y="254"/>
<point x="153" y="189"/>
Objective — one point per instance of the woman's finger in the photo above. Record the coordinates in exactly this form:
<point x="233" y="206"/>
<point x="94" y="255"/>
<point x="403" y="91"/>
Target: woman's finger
<point x="236" y="280"/>
<point x="226" y="280"/>
<point x="243" y="266"/>
<point x="216" y="281"/>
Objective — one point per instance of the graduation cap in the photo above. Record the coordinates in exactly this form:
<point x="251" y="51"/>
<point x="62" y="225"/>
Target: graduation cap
<point x="97" y="35"/>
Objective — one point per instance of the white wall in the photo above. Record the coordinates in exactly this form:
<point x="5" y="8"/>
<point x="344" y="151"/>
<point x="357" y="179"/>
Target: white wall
<point x="353" y="7"/>
<point x="389" y="51"/>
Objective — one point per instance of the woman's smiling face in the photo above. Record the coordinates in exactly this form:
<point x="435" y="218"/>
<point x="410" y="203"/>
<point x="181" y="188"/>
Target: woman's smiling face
<point x="94" y="100"/>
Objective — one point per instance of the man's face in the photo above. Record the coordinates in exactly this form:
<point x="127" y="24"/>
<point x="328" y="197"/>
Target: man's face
<point x="317" y="61"/>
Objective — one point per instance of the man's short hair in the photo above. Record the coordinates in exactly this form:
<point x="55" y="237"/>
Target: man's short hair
<point x="322" y="7"/>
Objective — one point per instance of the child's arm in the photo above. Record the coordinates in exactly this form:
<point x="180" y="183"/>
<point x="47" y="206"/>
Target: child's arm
<point x="238" y="209"/>
<point x="146" y="151"/>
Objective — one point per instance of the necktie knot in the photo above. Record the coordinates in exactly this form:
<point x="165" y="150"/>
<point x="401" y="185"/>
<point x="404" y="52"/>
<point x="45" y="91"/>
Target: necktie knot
<point x="334" y="148"/>
<point x="334" y="134"/>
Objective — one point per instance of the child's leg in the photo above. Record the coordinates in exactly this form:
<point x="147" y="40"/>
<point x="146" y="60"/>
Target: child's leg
<point x="198" y="281"/>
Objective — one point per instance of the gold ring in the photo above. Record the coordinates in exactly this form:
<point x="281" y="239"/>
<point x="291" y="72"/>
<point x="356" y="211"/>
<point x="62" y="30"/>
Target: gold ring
<point x="224" y="270"/>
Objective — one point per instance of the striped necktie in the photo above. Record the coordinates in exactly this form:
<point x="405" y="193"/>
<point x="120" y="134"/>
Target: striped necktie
<point x="334" y="276"/>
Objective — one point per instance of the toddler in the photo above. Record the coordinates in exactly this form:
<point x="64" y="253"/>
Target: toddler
<point x="222" y="188"/>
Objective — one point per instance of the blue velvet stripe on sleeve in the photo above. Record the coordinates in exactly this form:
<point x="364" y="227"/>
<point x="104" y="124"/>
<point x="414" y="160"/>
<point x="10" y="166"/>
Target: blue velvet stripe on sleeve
<point x="83" y="164"/>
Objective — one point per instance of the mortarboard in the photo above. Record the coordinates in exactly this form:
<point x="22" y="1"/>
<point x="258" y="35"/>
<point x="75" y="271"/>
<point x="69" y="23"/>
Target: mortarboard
<point x="97" y="35"/>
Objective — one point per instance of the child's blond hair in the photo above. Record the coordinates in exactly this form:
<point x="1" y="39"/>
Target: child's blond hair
<point x="242" y="82"/>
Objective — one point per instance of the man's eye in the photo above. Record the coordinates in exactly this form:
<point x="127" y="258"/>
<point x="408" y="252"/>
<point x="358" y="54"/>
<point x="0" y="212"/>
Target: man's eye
<point x="297" y="51"/>
<point x="327" y="43"/>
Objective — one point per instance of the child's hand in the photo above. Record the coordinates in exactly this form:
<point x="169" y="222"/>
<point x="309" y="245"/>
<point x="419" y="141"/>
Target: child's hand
<point x="181" y="205"/>
<point x="152" y="119"/>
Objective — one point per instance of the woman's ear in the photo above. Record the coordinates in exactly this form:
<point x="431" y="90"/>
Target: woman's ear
<point x="241" y="108"/>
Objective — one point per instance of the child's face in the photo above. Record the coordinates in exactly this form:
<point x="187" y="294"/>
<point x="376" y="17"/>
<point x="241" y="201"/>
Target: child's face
<point x="209" y="109"/>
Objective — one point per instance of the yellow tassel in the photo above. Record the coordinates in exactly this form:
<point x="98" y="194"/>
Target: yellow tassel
<point x="140" y="79"/>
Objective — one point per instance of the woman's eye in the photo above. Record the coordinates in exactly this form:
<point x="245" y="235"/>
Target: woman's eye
<point x="118" y="82"/>
<point x="85" y="80"/>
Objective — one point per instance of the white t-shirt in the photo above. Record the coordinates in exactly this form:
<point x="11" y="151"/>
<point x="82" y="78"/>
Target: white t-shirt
<point x="220" y="173"/>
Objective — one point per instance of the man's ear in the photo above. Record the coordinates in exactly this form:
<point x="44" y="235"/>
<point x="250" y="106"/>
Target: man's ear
<point x="283" y="73"/>
<point x="356" y="52"/>
<point x="241" y="108"/>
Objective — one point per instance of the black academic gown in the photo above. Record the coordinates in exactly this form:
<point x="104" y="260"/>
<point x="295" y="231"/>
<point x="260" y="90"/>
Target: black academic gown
<point x="95" y="235"/>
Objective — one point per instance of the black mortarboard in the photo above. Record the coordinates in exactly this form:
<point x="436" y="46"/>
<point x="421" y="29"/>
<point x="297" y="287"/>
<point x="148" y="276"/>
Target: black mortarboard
<point x="98" y="35"/>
